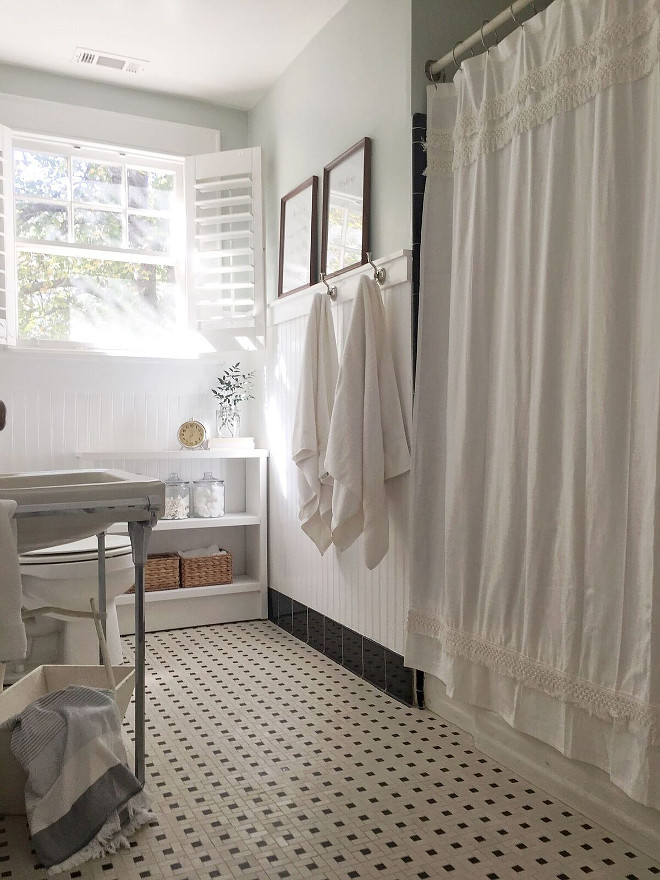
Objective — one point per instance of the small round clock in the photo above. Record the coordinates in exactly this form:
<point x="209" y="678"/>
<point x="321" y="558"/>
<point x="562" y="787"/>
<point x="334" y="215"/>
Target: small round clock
<point x="191" y="434"/>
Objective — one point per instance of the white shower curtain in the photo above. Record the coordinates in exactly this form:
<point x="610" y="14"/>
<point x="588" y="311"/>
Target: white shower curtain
<point x="535" y="582"/>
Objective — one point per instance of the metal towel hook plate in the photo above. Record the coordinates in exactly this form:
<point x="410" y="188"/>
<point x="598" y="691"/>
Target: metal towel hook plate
<point x="379" y="273"/>
<point x="331" y="291"/>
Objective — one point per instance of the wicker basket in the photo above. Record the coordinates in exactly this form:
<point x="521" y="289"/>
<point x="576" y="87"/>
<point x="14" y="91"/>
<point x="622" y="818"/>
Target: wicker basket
<point x="206" y="571"/>
<point x="161" y="572"/>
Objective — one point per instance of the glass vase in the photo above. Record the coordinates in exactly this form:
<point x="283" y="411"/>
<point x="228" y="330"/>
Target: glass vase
<point x="227" y="421"/>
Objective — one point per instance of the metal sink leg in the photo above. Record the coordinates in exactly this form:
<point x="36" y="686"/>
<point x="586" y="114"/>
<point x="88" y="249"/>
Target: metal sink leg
<point x="139" y="533"/>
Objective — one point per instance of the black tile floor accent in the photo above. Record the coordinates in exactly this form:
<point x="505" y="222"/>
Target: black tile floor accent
<point x="285" y="612"/>
<point x="333" y="640"/>
<point x="374" y="663"/>
<point x="299" y="628"/>
<point x="315" y="630"/>
<point x="267" y="761"/>
<point x="344" y="645"/>
<point x="398" y="678"/>
<point x="351" y="655"/>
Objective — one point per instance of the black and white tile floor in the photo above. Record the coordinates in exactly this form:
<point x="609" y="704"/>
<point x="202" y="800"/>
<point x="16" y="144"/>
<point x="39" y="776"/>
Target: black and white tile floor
<point x="267" y="760"/>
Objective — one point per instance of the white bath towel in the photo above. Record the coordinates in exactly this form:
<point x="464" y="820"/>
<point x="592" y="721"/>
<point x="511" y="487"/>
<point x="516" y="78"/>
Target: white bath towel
<point x="13" y="644"/>
<point x="367" y="444"/>
<point x="316" y="393"/>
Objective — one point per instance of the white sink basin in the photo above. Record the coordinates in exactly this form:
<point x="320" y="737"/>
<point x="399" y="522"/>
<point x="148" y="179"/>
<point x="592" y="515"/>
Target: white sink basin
<point x="63" y="487"/>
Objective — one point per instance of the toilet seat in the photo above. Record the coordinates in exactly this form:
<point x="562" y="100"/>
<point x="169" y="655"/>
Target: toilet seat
<point x="78" y="551"/>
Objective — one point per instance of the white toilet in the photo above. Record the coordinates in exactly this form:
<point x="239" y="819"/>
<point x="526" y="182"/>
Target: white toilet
<point x="67" y="576"/>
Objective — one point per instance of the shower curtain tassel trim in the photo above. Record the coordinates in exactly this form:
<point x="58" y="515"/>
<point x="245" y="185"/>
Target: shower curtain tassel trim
<point x="609" y="705"/>
<point x="597" y="67"/>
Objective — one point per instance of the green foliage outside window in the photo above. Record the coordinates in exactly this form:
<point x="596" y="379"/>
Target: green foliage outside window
<point x="57" y="292"/>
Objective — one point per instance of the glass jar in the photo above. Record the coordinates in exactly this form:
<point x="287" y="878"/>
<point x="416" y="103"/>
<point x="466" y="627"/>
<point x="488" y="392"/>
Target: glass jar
<point x="208" y="496"/>
<point x="227" y="421"/>
<point x="177" y="498"/>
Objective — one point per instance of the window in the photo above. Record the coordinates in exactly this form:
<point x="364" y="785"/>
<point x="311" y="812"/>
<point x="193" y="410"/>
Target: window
<point x="123" y="251"/>
<point x="100" y="245"/>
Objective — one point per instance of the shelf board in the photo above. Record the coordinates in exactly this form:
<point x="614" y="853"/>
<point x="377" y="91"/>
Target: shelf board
<point x="241" y="584"/>
<point x="165" y="454"/>
<point x="229" y="520"/>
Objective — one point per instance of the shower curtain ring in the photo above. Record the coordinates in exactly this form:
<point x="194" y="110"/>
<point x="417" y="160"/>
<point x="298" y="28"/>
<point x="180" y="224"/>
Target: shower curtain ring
<point x="453" y="54"/>
<point x="511" y="12"/>
<point x="481" y="31"/>
<point x="431" y="76"/>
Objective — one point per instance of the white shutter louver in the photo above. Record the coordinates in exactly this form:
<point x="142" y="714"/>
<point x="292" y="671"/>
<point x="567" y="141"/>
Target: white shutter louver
<point x="7" y="271"/>
<point x="225" y="222"/>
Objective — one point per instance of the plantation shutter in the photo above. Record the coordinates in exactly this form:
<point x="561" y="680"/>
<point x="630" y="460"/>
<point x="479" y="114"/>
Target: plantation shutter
<point x="7" y="258"/>
<point x="225" y="227"/>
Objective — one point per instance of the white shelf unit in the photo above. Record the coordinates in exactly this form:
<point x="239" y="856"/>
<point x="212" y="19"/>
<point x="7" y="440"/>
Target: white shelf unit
<point x="242" y="531"/>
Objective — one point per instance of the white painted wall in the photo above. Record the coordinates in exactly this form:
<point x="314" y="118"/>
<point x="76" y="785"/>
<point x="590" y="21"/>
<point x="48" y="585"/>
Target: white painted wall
<point x="337" y="584"/>
<point x="60" y="404"/>
<point x="351" y="81"/>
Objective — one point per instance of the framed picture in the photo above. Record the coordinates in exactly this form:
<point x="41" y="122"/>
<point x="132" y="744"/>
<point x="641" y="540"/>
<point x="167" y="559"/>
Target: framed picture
<point x="346" y="203"/>
<point x="298" y="238"/>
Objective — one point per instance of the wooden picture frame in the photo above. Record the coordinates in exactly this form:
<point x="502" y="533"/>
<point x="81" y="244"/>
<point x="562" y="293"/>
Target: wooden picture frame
<point x="299" y="238"/>
<point x="346" y="209"/>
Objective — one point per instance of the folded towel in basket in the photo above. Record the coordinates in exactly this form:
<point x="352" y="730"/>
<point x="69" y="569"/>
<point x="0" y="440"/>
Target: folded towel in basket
<point x="82" y="801"/>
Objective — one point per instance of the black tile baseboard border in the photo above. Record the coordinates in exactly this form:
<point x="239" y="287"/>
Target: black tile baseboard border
<point x="368" y="659"/>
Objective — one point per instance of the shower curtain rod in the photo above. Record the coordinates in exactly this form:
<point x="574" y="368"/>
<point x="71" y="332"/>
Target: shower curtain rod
<point x="433" y="68"/>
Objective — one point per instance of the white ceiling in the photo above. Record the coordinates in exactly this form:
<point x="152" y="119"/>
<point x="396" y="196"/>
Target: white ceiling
<point x="225" y="51"/>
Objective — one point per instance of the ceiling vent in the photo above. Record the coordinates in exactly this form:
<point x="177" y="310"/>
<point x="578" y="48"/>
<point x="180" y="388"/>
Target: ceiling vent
<point x="91" y="57"/>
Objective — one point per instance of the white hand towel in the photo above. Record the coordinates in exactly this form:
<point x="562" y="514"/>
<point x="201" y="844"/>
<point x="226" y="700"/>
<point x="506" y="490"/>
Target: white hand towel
<point x="13" y="644"/>
<point x="316" y="394"/>
<point x="367" y="444"/>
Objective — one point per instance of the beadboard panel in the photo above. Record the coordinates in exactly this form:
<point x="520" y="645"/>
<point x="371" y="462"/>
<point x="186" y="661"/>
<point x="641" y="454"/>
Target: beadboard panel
<point x="60" y="404"/>
<point x="338" y="584"/>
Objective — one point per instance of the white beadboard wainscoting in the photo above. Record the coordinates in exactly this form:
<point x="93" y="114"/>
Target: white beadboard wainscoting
<point x="63" y="403"/>
<point x="337" y="584"/>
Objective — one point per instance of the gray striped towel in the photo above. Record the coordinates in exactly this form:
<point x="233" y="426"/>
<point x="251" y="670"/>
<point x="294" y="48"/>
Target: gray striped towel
<point x="81" y="799"/>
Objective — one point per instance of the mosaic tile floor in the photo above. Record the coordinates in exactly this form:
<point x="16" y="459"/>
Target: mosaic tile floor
<point x="268" y="760"/>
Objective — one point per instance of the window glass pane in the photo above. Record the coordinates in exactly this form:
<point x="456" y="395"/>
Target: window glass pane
<point x="97" y="227"/>
<point x="150" y="190"/>
<point x="41" y="221"/>
<point x="96" y="182"/>
<point x="148" y="233"/>
<point x="105" y="303"/>
<point x="41" y="175"/>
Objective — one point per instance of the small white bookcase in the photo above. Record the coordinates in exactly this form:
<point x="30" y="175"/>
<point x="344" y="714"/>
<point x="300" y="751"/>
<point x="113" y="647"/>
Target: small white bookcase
<point x="242" y="531"/>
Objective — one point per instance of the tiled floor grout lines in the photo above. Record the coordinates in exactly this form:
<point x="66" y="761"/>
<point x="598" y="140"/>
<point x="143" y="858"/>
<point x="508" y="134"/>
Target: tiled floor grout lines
<point x="267" y="760"/>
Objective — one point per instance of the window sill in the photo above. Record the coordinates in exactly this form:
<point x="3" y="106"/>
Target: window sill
<point x="23" y="349"/>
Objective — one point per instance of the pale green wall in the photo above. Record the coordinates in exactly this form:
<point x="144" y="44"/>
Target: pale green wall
<point x="30" y="83"/>
<point x="363" y="74"/>
<point x="351" y="80"/>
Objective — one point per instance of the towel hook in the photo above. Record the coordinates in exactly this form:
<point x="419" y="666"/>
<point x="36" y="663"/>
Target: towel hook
<point x="379" y="273"/>
<point x="331" y="291"/>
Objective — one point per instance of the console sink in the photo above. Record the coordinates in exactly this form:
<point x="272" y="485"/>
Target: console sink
<point x="62" y="487"/>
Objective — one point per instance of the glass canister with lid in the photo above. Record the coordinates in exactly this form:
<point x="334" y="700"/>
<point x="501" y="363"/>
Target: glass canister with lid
<point x="177" y="498"/>
<point x="208" y="495"/>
